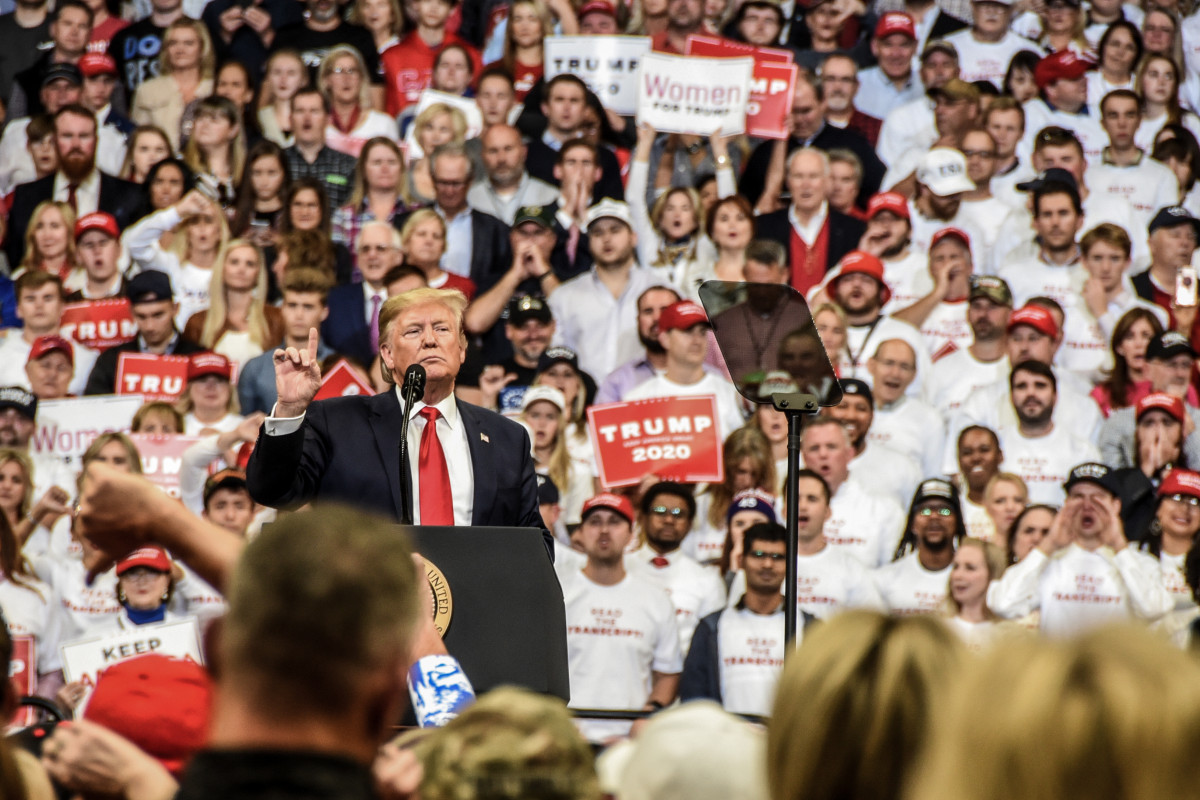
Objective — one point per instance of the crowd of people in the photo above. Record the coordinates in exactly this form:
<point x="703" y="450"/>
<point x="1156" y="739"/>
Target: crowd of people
<point x="991" y="208"/>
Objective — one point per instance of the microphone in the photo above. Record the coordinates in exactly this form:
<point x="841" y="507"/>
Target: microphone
<point x="414" y="383"/>
<point x="412" y="388"/>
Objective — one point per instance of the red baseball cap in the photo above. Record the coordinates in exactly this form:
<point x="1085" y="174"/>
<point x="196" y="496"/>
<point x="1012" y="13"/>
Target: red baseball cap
<point x="895" y="22"/>
<point x="1063" y="65"/>
<point x="1162" y="402"/>
<point x="151" y="556"/>
<point x="161" y="704"/>
<point x="597" y="7"/>
<point x="203" y="364"/>
<point x="97" y="221"/>
<point x="1035" y="317"/>
<point x="860" y="263"/>
<point x="48" y="344"/>
<point x="613" y="502"/>
<point x="956" y="233"/>
<point x="92" y="64"/>
<point x="1180" y="481"/>
<point x="681" y="316"/>
<point x="888" y="201"/>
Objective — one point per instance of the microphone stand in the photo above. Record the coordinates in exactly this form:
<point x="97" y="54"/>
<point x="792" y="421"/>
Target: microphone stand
<point x="413" y="387"/>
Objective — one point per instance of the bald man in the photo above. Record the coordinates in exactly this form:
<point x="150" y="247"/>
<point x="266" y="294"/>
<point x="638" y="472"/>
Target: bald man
<point x="506" y="186"/>
<point x="903" y="423"/>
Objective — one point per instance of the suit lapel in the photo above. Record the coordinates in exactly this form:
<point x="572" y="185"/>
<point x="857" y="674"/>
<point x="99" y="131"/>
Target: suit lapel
<point x="385" y="418"/>
<point x="482" y="461"/>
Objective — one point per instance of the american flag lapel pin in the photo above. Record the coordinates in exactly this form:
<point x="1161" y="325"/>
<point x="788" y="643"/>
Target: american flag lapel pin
<point x="484" y="437"/>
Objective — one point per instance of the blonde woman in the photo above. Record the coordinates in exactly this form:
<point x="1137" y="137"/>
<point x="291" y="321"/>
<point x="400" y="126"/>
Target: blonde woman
<point x="237" y="323"/>
<point x="148" y="145"/>
<point x="209" y="403"/>
<point x="285" y="75"/>
<point x="423" y="239"/>
<point x="201" y="235"/>
<point x="1004" y="499"/>
<point x="383" y="18"/>
<point x="185" y="73"/>
<point x="344" y="81"/>
<point x="543" y="410"/>
<point x="830" y="322"/>
<point x="50" y="241"/>
<point x="378" y="192"/>
<point x="976" y="564"/>
<point x="437" y="125"/>
<point x="529" y="23"/>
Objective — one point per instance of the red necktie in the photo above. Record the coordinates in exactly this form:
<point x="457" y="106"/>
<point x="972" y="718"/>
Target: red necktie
<point x="71" y="200"/>
<point x="660" y="562"/>
<point x="373" y="325"/>
<point x="437" y="504"/>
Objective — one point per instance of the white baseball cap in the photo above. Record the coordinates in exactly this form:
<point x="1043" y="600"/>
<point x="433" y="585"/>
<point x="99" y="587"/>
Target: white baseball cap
<point x="547" y="393"/>
<point x="610" y="208"/>
<point x="944" y="171"/>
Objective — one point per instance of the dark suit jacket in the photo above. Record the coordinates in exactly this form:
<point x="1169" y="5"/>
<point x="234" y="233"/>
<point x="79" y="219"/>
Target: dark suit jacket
<point x="844" y="233"/>
<point x="540" y="161"/>
<point x="491" y="252"/>
<point x="103" y="378"/>
<point x="124" y="200"/>
<point x="345" y="330"/>
<point x="830" y="138"/>
<point x="348" y="450"/>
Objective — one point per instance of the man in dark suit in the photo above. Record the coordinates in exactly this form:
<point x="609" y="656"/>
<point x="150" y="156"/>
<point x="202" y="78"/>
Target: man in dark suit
<point x="810" y="129"/>
<point x="476" y="243"/>
<point x="153" y="306"/>
<point x="469" y="466"/>
<point x="354" y="306"/>
<point x="813" y="234"/>
<point x="77" y="182"/>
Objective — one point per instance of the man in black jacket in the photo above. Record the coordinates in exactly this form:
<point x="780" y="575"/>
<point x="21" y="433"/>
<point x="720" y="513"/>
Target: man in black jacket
<point x="154" y="308"/>
<point x="77" y="182"/>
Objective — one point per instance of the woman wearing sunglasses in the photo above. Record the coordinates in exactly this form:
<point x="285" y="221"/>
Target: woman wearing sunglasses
<point x="916" y="580"/>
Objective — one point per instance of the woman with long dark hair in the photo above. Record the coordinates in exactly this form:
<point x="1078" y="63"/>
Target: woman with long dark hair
<point x="1128" y="380"/>
<point x="265" y="182"/>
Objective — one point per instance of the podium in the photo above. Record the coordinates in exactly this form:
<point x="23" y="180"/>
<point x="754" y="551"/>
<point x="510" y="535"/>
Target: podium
<point x="507" y="623"/>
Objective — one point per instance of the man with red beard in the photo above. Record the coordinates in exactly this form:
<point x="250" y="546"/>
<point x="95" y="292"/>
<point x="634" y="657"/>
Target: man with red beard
<point x="77" y="181"/>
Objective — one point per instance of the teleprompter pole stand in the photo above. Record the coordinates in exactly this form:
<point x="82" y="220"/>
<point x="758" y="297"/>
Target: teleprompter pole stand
<point x="795" y="406"/>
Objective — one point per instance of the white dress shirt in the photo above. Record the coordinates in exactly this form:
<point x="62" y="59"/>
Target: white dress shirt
<point x="452" y="433"/>
<point x="87" y="193"/>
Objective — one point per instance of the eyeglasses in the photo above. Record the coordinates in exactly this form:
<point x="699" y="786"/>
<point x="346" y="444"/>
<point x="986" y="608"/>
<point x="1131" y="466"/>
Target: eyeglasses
<point x="762" y="554"/>
<point x="663" y="511"/>
<point x="344" y="70"/>
<point x="1186" y="499"/>
<point x="929" y="512"/>
<point x="888" y="363"/>
<point x="451" y="184"/>
<point x="375" y="248"/>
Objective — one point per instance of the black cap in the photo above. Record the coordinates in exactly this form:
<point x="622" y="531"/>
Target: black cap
<point x="225" y="479"/>
<point x="62" y="70"/>
<point x="1169" y="344"/>
<point x="860" y="388"/>
<point x="542" y="215"/>
<point x="1052" y="175"/>
<point x="22" y="400"/>
<point x="936" y="489"/>
<point x="1173" y="217"/>
<point x="150" y="286"/>
<point x="558" y="355"/>
<point x="522" y="309"/>
<point x="547" y="491"/>
<point x="1091" y="472"/>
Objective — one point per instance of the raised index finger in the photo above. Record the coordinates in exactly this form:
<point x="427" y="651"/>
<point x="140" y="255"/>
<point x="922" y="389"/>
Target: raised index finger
<point x="313" y="338"/>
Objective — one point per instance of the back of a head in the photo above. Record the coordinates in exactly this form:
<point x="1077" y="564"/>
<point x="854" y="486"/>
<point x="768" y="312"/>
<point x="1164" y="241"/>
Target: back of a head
<point x="1112" y="715"/>
<point x="855" y="706"/>
<point x="318" y="600"/>
<point x="512" y="744"/>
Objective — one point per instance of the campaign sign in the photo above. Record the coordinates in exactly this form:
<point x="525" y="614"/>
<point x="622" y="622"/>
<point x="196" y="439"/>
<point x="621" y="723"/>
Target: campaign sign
<point x="65" y="428"/>
<point x="162" y="458"/>
<point x="99" y="324"/>
<point x="85" y="659"/>
<point x="342" y="381"/>
<point x="772" y="86"/>
<point x="675" y="438"/>
<point x="23" y="670"/>
<point x="153" y="376"/>
<point x="685" y="94"/>
<point x="607" y="64"/>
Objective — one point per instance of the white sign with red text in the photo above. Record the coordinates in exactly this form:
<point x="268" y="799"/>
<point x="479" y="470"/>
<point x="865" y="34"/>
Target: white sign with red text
<point x="66" y="427"/>
<point x="85" y="659"/>
<point x="685" y="94"/>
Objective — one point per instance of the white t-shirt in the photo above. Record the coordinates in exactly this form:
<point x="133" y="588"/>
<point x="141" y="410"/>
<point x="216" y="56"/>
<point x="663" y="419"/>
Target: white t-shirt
<point x="83" y="610"/>
<point x="886" y="472"/>
<point x="979" y="523"/>
<point x="751" y="650"/>
<point x="908" y="588"/>
<point x="1038" y="115"/>
<point x="1034" y="277"/>
<point x="1015" y="241"/>
<point x="28" y="612"/>
<point x="912" y="427"/>
<point x="863" y="340"/>
<point x="1148" y="186"/>
<point x="987" y="61"/>
<point x="1044" y="462"/>
<point x="194" y="427"/>
<point x="908" y="278"/>
<point x="617" y="636"/>
<point x="14" y="352"/>
<point x="955" y="378"/>
<point x="988" y="214"/>
<point x="695" y="591"/>
<point x="864" y="524"/>
<point x="729" y="412"/>
<point x="1077" y="590"/>
<point x="946" y="329"/>
<point x="905" y="129"/>
<point x="833" y="580"/>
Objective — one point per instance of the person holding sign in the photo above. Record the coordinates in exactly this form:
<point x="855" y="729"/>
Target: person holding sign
<point x="477" y="468"/>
